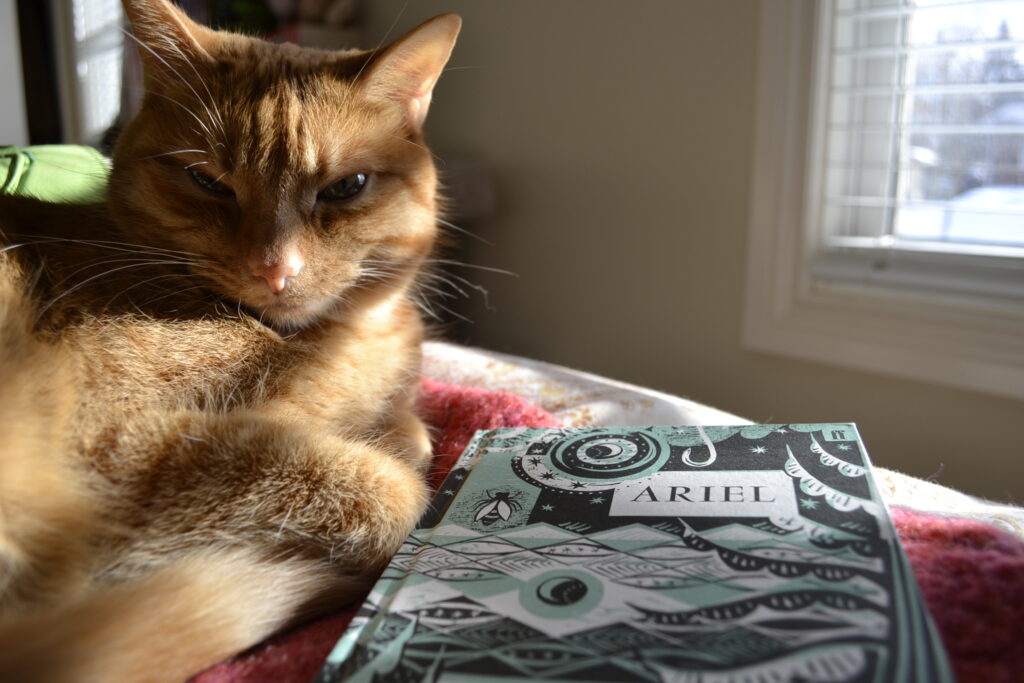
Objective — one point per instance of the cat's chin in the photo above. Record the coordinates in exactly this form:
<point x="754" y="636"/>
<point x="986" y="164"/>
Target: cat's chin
<point x="291" y="315"/>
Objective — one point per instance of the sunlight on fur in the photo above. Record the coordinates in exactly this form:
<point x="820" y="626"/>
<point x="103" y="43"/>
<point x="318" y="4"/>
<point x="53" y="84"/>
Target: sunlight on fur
<point x="210" y="380"/>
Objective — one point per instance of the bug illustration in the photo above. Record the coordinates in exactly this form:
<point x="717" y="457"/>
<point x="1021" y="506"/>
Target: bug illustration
<point x="497" y="506"/>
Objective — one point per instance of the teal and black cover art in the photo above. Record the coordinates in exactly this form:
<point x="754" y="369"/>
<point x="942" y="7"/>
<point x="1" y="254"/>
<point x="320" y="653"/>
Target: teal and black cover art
<point x="685" y="554"/>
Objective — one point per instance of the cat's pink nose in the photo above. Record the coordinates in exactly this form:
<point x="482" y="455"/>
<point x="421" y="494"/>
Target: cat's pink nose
<point x="278" y="275"/>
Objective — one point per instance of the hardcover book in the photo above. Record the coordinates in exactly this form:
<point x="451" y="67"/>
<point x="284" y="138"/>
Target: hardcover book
<point x="685" y="554"/>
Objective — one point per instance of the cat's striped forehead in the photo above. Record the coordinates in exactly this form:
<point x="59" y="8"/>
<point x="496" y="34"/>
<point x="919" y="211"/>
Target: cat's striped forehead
<point x="277" y="111"/>
<point x="281" y="128"/>
<point x="288" y="111"/>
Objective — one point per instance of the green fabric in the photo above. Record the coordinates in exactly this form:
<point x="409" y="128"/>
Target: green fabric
<point x="69" y="174"/>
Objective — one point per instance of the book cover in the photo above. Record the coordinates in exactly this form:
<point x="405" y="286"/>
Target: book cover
<point x="685" y="554"/>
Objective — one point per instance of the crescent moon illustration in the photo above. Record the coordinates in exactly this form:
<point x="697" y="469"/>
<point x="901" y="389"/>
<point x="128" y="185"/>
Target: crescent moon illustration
<point x="561" y="591"/>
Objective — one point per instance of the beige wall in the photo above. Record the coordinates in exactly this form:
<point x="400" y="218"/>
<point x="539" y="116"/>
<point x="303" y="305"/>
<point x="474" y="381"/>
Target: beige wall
<point x="620" y="134"/>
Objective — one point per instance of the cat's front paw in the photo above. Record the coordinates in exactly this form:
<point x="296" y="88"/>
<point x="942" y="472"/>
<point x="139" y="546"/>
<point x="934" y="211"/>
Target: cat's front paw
<point x="409" y="440"/>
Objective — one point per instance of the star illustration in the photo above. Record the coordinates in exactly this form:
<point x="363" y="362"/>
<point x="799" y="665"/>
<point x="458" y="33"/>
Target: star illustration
<point x="448" y="492"/>
<point x="579" y="485"/>
<point x="547" y="508"/>
<point x="534" y="461"/>
<point x="843" y="447"/>
<point x="808" y="504"/>
<point x="548" y="475"/>
<point x="759" y="450"/>
<point x="458" y="477"/>
<point x="782" y="430"/>
<point x="596" y="500"/>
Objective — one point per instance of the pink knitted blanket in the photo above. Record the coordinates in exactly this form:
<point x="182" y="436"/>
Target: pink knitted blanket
<point x="971" y="574"/>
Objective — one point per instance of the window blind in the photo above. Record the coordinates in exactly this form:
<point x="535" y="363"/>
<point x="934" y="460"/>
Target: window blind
<point x="923" y="141"/>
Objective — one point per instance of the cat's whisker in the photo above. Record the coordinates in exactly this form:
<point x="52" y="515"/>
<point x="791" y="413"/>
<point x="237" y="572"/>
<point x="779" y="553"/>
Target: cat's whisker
<point x="382" y="276"/>
<point x="209" y="133"/>
<point x="438" y="277"/>
<point x="387" y="34"/>
<point x="156" y="255"/>
<point x="444" y="295"/>
<point x="119" y="246"/>
<point x="425" y="306"/>
<point x="472" y="285"/>
<point x="174" y="292"/>
<point x="199" y="134"/>
<point x="456" y="314"/>
<point x="138" y="254"/>
<point x="423" y="147"/>
<point x="150" y="281"/>
<point x="436" y="290"/>
<point x="385" y="279"/>
<point x="177" y="73"/>
<point x="177" y="151"/>
<point x="473" y="266"/>
<point x="463" y="231"/>
<point x="447" y="277"/>
<point x="83" y="283"/>
<point x="196" y="163"/>
<point x="393" y="266"/>
<point x="428" y="307"/>
<point x="215" y="114"/>
<point x="106" y="262"/>
<point x="280" y="529"/>
<point x="227" y="399"/>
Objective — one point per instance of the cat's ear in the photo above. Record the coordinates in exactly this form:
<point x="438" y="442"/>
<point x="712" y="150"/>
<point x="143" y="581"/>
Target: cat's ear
<point x="407" y="70"/>
<point x="169" y="42"/>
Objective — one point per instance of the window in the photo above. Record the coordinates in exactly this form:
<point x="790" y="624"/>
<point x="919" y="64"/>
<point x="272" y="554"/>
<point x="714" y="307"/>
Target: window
<point x="925" y="124"/>
<point x="89" y="47"/>
<point x="923" y="144"/>
<point x="887" y="228"/>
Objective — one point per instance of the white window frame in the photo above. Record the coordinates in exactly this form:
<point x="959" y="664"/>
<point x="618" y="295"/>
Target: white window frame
<point x="843" y="310"/>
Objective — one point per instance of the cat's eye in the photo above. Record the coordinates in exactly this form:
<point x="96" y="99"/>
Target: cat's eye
<point x="210" y="185"/>
<point x="346" y="188"/>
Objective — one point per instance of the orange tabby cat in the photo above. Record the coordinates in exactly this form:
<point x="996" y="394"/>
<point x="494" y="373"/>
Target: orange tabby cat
<point x="207" y="384"/>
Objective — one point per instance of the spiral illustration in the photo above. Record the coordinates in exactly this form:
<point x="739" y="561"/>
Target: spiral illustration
<point x="606" y="456"/>
<point x="593" y="461"/>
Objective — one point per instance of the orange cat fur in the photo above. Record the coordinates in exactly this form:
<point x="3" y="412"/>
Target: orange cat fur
<point x="207" y="384"/>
